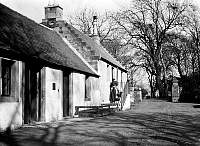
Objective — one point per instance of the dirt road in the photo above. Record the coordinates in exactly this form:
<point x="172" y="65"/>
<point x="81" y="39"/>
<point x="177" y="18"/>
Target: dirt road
<point x="155" y="122"/>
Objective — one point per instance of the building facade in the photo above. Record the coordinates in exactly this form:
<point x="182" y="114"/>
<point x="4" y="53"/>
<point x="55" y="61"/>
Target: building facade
<point x="97" y="90"/>
<point x="36" y="72"/>
<point x="47" y="69"/>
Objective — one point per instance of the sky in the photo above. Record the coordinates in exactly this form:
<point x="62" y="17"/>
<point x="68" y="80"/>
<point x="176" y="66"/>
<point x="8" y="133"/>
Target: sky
<point x="34" y="9"/>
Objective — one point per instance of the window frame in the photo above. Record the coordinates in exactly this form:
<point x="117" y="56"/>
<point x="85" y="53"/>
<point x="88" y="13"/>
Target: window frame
<point x="86" y="81"/>
<point x="6" y="66"/>
<point x="14" y="80"/>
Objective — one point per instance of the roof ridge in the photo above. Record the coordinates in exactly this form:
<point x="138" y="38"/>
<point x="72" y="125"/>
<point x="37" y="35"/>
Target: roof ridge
<point x="109" y="54"/>
<point x="79" y="55"/>
<point x="38" y="41"/>
<point x="113" y="61"/>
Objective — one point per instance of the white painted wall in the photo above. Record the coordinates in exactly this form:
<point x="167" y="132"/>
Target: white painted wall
<point x="127" y="103"/>
<point x="119" y="79"/>
<point x="11" y="112"/>
<point x="100" y="90"/>
<point x="105" y="79"/>
<point x="78" y="91"/>
<point x="10" y="115"/>
<point x="104" y="83"/>
<point x="95" y="92"/>
<point x="124" y="78"/>
<point x="53" y="98"/>
<point x="115" y="73"/>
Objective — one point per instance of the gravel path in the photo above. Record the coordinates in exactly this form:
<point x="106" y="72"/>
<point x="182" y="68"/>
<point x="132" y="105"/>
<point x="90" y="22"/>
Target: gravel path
<point x="150" y="122"/>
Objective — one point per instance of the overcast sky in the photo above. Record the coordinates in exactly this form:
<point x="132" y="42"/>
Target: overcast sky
<point x="34" y="9"/>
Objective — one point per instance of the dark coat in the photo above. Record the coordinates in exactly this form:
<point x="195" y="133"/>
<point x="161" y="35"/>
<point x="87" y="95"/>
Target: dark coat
<point x="113" y="94"/>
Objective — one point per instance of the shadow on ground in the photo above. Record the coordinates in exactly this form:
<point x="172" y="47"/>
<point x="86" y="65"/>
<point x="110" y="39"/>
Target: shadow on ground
<point x="196" y="106"/>
<point x="123" y="128"/>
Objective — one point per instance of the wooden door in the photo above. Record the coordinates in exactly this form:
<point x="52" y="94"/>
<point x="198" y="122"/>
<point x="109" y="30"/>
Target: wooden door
<point x="32" y="100"/>
<point x="66" y="94"/>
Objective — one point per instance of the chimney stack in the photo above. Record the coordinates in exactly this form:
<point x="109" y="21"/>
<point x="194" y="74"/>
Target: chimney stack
<point x="94" y="23"/>
<point x="95" y="35"/>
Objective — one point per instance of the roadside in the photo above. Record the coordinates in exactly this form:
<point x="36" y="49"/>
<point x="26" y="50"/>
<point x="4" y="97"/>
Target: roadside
<point x="148" y="123"/>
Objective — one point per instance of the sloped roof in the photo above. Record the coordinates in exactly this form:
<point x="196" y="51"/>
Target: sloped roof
<point x="24" y="37"/>
<point x="99" y="49"/>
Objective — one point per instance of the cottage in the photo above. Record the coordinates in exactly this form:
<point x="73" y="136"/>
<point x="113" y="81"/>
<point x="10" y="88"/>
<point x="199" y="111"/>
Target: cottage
<point x="97" y="90"/>
<point x="36" y="71"/>
<point x="48" y="69"/>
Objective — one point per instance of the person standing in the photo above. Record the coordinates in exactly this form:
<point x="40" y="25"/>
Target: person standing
<point x="114" y="92"/>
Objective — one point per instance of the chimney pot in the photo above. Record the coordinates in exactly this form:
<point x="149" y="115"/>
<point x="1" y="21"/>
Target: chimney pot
<point x="95" y="32"/>
<point x="95" y="35"/>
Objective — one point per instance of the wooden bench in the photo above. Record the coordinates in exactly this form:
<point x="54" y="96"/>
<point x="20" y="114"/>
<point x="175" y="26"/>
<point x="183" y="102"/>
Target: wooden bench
<point x="97" y="108"/>
<point x="109" y="104"/>
<point x="116" y="105"/>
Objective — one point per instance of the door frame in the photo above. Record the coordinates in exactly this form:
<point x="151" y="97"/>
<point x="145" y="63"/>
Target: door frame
<point x="33" y="101"/>
<point x="66" y="92"/>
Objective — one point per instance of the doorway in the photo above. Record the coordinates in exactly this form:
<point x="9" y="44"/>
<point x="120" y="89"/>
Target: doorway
<point x="66" y="101"/>
<point x="33" y="102"/>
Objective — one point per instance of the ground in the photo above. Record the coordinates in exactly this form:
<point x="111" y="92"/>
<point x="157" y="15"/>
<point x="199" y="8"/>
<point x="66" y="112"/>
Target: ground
<point x="150" y="122"/>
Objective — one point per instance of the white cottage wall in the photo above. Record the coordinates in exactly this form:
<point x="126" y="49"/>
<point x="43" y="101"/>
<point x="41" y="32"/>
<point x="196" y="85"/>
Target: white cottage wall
<point x="104" y="82"/>
<point x="11" y="112"/>
<point x="124" y="79"/>
<point x="54" y="95"/>
<point x="95" y="92"/>
<point x="10" y="115"/>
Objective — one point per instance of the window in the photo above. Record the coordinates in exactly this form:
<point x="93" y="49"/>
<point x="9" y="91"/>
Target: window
<point x="87" y="89"/>
<point x="53" y="86"/>
<point x="121" y="80"/>
<point x="6" y="77"/>
<point x="9" y="80"/>
<point x="108" y="73"/>
<point x="113" y="73"/>
<point x="117" y="76"/>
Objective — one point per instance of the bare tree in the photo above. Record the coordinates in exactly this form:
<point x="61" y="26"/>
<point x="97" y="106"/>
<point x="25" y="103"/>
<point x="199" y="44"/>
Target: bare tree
<point x="108" y="32"/>
<point x="146" y="25"/>
<point x="83" y="19"/>
<point x="140" y="60"/>
<point x="179" y="52"/>
<point x="192" y="28"/>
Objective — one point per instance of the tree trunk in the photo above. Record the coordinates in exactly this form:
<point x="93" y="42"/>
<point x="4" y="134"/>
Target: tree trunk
<point x="151" y="82"/>
<point x="160" y="85"/>
<point x="179" y="66"/>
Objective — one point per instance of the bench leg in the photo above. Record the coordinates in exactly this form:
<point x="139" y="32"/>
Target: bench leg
<point x="76" y="111"/>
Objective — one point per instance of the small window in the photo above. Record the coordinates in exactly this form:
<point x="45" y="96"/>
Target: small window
<point x="108" y="73"/>
<point x="53" y="86"/>
<point x="112" y="73"/>
<point x="87" y="89"/>
<point x="117" y="76"/>
<point x="6" y="77"/>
